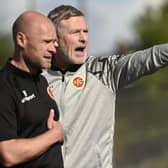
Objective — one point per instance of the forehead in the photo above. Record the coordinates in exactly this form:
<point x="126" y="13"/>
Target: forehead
<point x="43" y="30"/>
<point x="76" y="22"/>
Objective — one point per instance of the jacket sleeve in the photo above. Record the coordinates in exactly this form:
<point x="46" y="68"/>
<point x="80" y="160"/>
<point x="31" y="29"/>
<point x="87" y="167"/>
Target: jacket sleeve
<point x="133" y="66"/>
<point x="118" y="71"/>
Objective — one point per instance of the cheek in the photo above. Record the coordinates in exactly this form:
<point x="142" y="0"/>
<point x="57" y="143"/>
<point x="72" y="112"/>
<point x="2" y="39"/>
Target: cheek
<point x="65" y="47"/>
<point x="69" y="42"/>
<point x="28" y="52"/>
<point x="40" y="50"/>
<point x="31" y="49"/>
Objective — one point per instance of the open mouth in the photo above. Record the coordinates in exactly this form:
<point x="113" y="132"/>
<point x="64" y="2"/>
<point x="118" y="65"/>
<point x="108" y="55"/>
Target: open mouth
<point x="80" y="49"/>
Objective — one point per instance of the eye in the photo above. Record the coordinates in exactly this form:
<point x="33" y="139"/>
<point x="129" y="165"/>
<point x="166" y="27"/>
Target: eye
<point x="85" y="31"/>
<point x="75" y="31"/>
<point x="47" y="41"/>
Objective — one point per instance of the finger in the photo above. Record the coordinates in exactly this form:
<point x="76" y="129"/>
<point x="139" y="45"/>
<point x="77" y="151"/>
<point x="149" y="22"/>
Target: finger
<point x="50" y="119"/>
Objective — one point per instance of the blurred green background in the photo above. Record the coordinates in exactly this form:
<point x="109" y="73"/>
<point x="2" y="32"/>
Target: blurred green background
<point x="141" y="137"/>
<point x="141" y="130"/>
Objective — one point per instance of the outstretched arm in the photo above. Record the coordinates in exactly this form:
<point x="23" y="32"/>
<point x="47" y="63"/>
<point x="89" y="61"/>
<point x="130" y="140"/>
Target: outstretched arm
<point x="117" y="71"/>
<point x="133" y="66"/>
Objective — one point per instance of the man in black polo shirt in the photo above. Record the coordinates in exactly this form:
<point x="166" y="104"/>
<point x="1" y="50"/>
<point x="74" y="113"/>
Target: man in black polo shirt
<point x="30" y="135"/>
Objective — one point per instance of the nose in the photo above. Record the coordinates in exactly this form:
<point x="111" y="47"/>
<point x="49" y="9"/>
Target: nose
<point x="56" y="44"/>
<point x="53" y="46"/>
<point x="83" y="37"/>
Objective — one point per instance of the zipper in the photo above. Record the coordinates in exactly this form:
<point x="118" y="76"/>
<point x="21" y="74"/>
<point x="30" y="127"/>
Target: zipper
<point x="62" y="94"/>
<point x="63" y="76"/>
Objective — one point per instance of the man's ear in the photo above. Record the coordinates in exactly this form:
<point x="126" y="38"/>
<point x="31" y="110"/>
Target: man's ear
<point x="21" y="39"/>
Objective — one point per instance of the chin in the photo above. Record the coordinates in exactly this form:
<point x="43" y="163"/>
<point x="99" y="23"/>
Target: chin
<point x="47" y="66"/>
<point x="80" y="62"/>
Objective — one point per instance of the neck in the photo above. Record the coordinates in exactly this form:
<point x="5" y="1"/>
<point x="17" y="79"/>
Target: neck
<point x="61" y="66"/>
<point x="21" y="64"/>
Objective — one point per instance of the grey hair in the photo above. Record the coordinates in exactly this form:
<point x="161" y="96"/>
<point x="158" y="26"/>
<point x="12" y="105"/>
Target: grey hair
<point x="63" y="12"/>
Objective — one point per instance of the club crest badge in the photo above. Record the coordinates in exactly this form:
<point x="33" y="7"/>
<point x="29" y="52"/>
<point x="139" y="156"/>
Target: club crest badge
<point x="78" y="82"/>
<point x="50" y="93"/>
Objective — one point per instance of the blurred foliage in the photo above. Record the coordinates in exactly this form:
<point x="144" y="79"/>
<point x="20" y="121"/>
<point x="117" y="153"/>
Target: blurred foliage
<point x="151" y="29"/>
<point x="152" y="26"/>
<point x="141" y="136"/>
<point x="6" y="49"/>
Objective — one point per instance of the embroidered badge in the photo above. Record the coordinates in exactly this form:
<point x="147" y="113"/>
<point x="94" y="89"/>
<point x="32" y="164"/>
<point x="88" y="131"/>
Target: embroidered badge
<point x="50" y="93"/>
<point x="78" y="82"/>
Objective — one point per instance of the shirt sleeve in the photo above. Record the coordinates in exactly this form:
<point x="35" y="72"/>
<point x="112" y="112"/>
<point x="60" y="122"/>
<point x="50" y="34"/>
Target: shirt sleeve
<point x="8" y="122"/>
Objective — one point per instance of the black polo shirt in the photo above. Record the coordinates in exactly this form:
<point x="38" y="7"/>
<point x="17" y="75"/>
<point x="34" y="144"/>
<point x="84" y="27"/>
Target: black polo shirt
<point x="25" y="104"/>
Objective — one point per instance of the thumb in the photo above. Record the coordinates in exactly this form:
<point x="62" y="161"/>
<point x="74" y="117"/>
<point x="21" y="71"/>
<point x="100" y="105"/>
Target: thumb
<point x="50" y="119"/>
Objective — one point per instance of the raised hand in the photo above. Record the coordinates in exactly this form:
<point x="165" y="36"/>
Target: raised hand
<point x="55" y="126"/>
